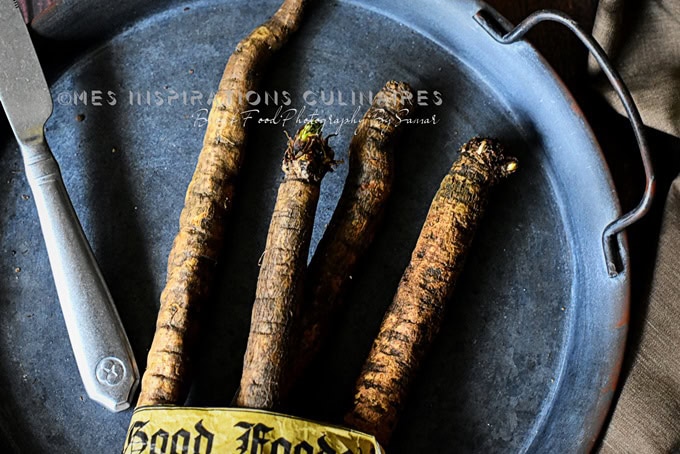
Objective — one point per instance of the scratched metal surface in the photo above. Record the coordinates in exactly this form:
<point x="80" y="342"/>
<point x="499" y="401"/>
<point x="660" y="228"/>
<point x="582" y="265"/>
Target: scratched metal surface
<point x="529" y="354"/>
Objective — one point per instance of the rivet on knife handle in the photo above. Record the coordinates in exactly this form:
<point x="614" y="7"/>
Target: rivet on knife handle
<point x="101" y="348"/>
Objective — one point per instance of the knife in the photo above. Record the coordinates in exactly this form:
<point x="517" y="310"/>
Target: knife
<point x="103" y="353"/>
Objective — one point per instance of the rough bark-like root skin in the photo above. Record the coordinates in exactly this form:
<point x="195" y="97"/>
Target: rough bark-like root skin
<point x="208" y="202"/>
<point x="284" y="262"/>
<point x="355" y="220"/>
<point x="416" y="312"/>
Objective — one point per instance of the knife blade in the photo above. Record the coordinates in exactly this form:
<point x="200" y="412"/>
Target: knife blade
<point x="101" y="348"/>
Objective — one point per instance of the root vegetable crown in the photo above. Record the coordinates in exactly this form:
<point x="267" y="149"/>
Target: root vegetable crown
<point x="489" y="154"/>
<point x="308" y="156"/>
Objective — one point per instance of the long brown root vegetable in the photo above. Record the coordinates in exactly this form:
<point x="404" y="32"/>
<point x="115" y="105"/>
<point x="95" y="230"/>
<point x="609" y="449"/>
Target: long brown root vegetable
<point x="208" y="202"/>
<point x="416" y="312"/>
<point x="355" y="220"/>
<point x="284" y="262"/>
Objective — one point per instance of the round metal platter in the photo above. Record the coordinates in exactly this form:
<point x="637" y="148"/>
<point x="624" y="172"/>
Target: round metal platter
<point x="530" y="351"/>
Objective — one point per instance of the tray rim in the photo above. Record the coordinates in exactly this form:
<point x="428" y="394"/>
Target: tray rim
<point x="47" y="25"/>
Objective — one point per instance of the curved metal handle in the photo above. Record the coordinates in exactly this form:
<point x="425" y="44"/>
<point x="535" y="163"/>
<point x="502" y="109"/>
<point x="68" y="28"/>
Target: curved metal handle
<point x="101" y="348"/>
<point x="499" y="30"/>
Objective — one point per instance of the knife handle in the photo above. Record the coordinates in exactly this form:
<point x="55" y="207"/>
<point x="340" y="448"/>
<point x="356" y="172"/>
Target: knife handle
<point x="103" y="353"/>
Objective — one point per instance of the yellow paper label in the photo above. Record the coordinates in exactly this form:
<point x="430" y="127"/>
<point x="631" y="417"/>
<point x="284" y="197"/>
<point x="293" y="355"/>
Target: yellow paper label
<point x="179" y="430"/>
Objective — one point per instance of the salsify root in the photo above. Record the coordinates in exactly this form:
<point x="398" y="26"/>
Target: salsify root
<point x="415" y="315"/>
<point x="208" y="202"/>
<point x="280" y="282"/>
<point x="355" y="220"/>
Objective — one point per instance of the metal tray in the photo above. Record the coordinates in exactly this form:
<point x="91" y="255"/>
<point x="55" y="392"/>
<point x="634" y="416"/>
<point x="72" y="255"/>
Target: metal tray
<point x="529" y="356"/>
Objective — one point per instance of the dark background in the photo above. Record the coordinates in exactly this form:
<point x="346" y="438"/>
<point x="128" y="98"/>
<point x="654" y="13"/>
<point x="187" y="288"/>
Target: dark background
<point x="569" y="59"/>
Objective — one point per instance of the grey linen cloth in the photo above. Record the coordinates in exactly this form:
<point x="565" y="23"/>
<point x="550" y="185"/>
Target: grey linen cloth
<point x="642" y="37"/>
